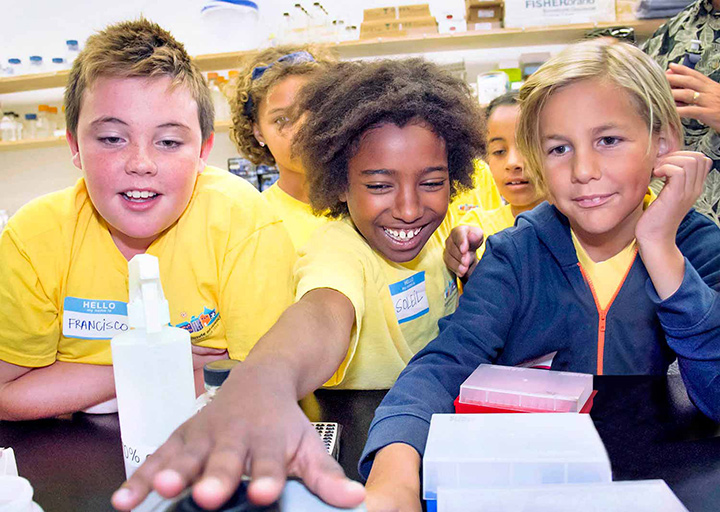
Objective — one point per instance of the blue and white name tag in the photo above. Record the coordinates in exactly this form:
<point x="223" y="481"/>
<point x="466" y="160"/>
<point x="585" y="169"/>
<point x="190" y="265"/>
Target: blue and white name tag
<point x="409" y="298"/>
<point x="94" y="319"/>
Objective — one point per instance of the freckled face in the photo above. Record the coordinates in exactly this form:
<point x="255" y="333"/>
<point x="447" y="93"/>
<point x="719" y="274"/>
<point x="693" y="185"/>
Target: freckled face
<point x="140" y="148"/>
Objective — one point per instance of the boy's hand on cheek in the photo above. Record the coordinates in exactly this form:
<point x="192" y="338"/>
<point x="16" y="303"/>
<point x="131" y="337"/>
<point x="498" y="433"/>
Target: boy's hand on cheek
<point x="684" y="173"/>
<point x="460" y="246"/>
<point x="262" y="434"/>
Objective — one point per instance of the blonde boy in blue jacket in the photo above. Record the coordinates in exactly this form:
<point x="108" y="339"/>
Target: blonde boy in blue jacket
<point x="599" y="120"/>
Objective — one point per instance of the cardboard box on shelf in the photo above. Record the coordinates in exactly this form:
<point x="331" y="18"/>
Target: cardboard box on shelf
<point x="452" y="26"/>
<point x="494" y="25"/>
<point x="399" y="27"/>
<point x="380" y="13"/>
<point x="379" y="28"/>
<point x="422" y="25"/>
<point x="486" y="12"/>
<point x="534" y="13"/>
<point x="414" y="11"/>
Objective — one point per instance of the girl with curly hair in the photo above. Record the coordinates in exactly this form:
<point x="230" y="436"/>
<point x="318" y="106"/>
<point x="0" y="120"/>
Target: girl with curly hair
<point x="262" y="131"/>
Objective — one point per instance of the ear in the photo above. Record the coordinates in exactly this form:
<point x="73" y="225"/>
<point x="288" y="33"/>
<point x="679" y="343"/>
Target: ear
<point x="668" y="142"/>
<point x="205" y="151"/>
<point x="74" y="149"/>
<point x="258" y="134"/>
<point x="343" y="197"/>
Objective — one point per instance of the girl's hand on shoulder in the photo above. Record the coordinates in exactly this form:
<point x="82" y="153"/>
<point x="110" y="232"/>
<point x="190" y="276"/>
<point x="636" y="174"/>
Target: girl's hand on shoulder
<point x="460" y="247"/>
<point x="684" y="173"/>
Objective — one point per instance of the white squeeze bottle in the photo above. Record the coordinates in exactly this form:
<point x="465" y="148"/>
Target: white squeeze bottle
<point x="153" y="368"/>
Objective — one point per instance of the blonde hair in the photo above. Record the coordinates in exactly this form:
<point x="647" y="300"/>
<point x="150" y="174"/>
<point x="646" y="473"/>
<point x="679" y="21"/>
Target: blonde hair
<point x="602" y="59"/>
<point x="248" y="93"/>
<point x="132" y="49"/>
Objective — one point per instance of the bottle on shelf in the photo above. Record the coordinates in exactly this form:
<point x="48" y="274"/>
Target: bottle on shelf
<point x="301" y="25"/>
<point x="8" y="127"/>
<point x="72" y="51"/>
<point x="30" y="131"/>
<point x="43" y="129"/>
<point x="321" y="29"/>
<point x="285" y="31"/>
<point x="222" y="108"/>
<point x="36" y="64"/>
<point x="15" y="67"/>
<point x="57" y="64"/>
<point x="338" y="30"/>
<point x="54" y="122"/>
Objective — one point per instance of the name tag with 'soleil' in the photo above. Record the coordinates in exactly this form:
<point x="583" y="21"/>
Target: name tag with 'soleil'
<point x="91" y="319"/>
<point x="409" y="298"/>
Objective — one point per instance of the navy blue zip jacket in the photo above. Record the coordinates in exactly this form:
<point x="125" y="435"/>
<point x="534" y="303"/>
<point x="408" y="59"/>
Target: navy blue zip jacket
<point x="528" y="297"/>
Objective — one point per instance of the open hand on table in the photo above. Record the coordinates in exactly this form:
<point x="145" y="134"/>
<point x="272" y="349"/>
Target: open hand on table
<point x="257" y="433"/>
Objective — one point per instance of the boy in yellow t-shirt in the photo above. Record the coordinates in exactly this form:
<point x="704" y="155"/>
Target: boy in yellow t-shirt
<point x="140" y="127"/>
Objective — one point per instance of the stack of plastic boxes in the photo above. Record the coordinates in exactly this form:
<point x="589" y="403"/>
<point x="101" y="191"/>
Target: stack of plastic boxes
<point x="518" y="462"/>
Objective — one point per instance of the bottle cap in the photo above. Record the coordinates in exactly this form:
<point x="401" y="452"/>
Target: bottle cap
<point x="212" y="75"/>
<point x="71" y="42"/>
<point x="695" y="45"/>
<point x="31" y="117"/>
<point x="147" y="307"/>
<point x="14" y="61"/>
<point x="35" y="58"/>
<point x="58" y="60"/>
<point x="215" y="372"/>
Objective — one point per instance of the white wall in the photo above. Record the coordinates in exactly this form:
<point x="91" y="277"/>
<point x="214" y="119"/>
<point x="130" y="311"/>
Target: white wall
<point x="42" y="26"/>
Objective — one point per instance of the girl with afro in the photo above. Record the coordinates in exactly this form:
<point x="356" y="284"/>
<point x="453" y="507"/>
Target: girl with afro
<point x="385" y="146"/>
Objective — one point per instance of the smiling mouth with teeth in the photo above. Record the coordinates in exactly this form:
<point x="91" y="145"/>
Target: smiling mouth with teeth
<point x="402" y="235"/>
<point x="137" y="195"/>
<point x="517" y="182"/>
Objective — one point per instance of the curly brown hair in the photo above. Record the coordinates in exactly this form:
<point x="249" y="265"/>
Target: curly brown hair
<point x="241" y="131"/>
<point x="350" y="98"/>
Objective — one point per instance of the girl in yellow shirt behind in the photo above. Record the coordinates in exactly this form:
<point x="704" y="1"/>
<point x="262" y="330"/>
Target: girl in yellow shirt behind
<point x="264" y="97"/>
<point x="508" y="170"/>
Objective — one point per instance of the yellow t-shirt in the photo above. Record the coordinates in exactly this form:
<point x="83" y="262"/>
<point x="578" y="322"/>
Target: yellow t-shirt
<point x="607" y="276"/>
<point x="297" y="216"/>
<point x="225" y="266"/>
<point x="397" y="305"/>
<point x="484" y="195"/>
<point x="490" y="222"/>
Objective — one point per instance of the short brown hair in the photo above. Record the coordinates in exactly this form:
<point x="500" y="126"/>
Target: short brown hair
<point x="243" y="118"/>
<point x="132" y="49"/>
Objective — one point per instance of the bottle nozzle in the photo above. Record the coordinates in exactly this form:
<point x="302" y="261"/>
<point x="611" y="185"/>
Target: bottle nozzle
<point x="147" y="307"/>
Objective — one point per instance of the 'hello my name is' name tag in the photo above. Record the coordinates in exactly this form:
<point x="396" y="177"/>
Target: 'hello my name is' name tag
<point x="94" y="319"/>
<point x="409" y="298"/>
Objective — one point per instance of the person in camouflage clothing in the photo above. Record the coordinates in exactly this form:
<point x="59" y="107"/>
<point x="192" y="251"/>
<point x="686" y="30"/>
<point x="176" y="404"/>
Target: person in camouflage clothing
<point x="696" y="92"/>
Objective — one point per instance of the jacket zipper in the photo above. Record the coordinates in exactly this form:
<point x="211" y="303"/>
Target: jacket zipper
<point x="602" y="313"/>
